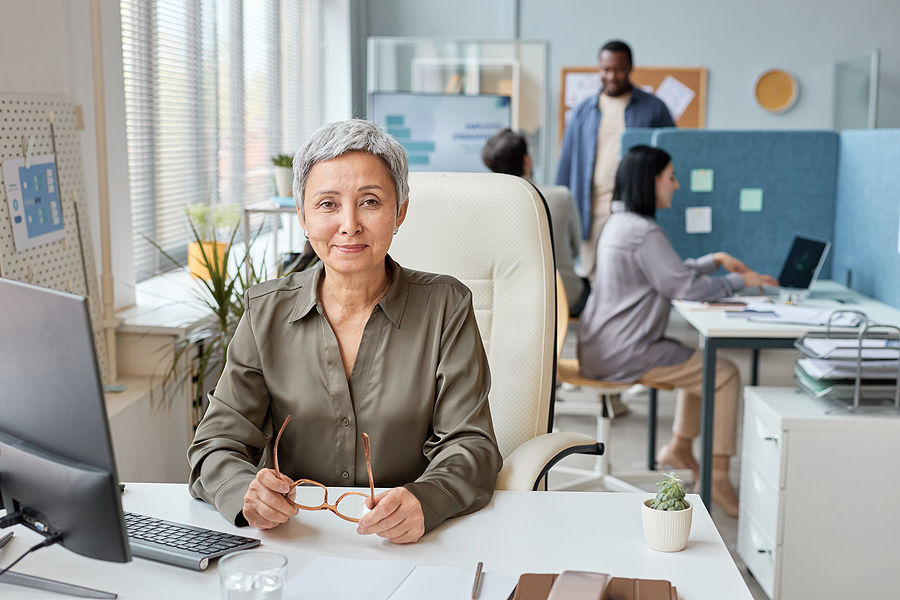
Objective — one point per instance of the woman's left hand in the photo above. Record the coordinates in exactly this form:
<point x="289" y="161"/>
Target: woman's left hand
<point x="730" y="263"/>
<point x="396" y="516"/>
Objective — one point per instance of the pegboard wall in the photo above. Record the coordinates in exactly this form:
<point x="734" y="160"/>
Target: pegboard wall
<point x="66" y="265"/>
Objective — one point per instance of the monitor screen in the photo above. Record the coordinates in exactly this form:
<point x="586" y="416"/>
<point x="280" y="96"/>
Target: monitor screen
<point x="441" y="132"/>
<point x="803" y="263"/>
<point x="54" y="421"/>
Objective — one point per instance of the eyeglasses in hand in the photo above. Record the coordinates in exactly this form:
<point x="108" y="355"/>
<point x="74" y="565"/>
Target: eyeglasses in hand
<point x="350" y="504"/>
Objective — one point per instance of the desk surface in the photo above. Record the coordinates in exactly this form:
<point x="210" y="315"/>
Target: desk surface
<point x="825" y="294"/>
<point x="518" y="532"/>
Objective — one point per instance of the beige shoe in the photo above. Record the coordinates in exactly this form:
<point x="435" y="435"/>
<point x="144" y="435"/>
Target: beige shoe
<point x="666" y="458"/>
<point x="616" y="407"/>
<point x="723" y="493"/>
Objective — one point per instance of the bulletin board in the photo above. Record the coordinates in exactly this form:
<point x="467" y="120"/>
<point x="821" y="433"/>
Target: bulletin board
<point x="578" y="83"/>
<point x="65" y="264"/>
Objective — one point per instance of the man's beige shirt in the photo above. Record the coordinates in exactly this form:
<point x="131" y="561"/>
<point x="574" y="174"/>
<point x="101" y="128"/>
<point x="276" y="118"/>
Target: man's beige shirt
<point x="419" y="388"/>
<point x="609" y="138"/>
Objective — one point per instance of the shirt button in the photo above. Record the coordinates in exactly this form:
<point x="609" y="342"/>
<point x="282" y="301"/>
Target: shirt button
<point x="345" y="475"/>
<point x="346" y="422"/>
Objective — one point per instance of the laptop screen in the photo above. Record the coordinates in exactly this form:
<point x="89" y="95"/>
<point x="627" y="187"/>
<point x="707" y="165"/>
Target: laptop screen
<point x="803" y="263"/>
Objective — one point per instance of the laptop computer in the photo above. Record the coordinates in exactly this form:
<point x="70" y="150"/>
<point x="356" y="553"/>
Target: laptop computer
<point x="799" y="272"/>
<point x="803" y="263"/>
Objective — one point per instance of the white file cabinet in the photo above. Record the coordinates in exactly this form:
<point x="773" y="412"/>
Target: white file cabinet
<point x="820" y="498"/>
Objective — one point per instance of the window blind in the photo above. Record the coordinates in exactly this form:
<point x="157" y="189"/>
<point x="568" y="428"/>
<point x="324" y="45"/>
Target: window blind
<point x="213" y="88"/>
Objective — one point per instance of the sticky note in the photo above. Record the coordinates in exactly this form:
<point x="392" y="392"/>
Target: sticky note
<point x="751" y="200"/>
<point x="698" y="219"/>
<point x="701" y="180"/>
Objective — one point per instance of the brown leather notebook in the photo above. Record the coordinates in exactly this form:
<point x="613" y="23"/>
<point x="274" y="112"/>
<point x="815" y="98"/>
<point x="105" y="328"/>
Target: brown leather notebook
<point x="536" y="586"/>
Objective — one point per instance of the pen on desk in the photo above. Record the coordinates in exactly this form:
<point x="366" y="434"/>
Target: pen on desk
<point x="5" y="539"/>
<point x="477" y="580"/>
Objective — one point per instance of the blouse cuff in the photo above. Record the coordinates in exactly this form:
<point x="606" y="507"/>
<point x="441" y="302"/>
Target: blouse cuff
<point x="735" y="282"/>
<point x="229" y="498"/>
<point x="437" y="504"/>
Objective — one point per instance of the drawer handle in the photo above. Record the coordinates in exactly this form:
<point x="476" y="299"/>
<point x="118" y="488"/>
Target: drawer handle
<point x="771" y="438"/>
<point x="765" y="551"/>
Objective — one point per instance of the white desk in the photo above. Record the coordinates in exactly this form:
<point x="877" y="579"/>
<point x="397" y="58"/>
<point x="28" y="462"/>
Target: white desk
<point x="518" y="532"/>
<point x="720" y="331"/>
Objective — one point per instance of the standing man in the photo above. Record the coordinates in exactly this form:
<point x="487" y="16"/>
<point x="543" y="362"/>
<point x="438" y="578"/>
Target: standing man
<point x="507" y="152"/>
<point x="592" y="142"/>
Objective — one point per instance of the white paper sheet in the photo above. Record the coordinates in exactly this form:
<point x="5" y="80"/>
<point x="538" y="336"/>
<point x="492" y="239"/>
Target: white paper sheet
<point x="675" y="95"/>
<point x="329" y="578"/>
<point x="848" y="348"/>
<point x="846" y="369"/>
<point x="698" y="219"/>
<point x="776" y="313"/>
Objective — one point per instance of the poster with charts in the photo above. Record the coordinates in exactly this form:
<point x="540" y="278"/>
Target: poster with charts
<point x="32" y="192"/>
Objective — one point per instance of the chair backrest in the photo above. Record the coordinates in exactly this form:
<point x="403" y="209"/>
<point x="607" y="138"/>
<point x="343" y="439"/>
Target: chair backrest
<point x="562" y="315"/>
<point x="492" y="233"/>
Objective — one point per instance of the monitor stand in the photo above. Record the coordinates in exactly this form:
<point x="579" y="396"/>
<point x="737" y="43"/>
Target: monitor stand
<point x="49" y="585"/>
<point x="39" y="583"/>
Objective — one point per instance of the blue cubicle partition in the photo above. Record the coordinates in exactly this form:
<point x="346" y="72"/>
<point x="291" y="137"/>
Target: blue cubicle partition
<point x="797" y="171"/>
<point x="867" y="214"/>
<point x="638" y="136"/>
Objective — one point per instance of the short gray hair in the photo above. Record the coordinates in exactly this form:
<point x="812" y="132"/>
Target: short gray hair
<point x="342" y="137"/>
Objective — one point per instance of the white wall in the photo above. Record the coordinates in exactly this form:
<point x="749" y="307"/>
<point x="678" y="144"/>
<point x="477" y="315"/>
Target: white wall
<point x="735" y="41"/>
<point x="46" y="49"/>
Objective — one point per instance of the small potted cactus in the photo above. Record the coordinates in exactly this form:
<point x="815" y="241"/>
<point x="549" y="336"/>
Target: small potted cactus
<point x="667" y="517"/>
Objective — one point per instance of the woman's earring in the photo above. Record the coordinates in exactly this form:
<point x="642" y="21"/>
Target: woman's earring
<point x="306" y="235"/>
<point x="396" y="229"/>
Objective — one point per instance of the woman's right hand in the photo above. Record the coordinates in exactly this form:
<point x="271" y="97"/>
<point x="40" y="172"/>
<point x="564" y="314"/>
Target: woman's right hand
<point x="265" y="504"/>
<point x="754" y="279"/>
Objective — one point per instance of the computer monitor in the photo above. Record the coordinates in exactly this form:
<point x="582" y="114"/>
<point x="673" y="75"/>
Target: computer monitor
<point x="803" y="263"/>
<point x="56" y="459"/>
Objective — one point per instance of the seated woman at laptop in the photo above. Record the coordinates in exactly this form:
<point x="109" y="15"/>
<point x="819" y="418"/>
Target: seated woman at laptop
<point x="356" y="344"/>
<point x="621" y="336"/>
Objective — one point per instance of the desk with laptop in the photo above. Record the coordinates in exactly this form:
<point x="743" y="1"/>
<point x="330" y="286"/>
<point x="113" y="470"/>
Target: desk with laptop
<point x="720" y="328"/>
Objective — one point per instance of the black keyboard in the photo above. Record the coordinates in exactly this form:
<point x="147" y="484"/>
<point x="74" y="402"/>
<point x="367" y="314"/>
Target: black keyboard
<point x="179" y="544"/>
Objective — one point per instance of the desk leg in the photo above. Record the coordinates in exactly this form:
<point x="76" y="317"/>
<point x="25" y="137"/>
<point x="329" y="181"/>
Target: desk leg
<point x="754" y="367"/>
<point x="651" y="430"/>
<point x="707" y="412"/>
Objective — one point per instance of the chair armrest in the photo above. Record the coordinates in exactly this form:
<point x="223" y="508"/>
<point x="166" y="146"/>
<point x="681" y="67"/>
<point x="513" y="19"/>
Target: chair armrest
<point x="527" y="465"/>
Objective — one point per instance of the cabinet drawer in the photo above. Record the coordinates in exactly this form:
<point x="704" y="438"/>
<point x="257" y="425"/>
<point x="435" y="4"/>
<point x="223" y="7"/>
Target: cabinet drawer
<point x="759" y="553"/>
<point x="762" y="443"/>
<point x="760" y="498"/>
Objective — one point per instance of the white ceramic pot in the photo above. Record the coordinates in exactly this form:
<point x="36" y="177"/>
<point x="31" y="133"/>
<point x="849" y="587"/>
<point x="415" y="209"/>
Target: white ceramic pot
<point x="284" y="177"/>
<point x="666" y="530"/>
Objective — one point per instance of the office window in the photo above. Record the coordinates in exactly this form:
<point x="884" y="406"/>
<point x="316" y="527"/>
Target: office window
<point x="213" y="88"/>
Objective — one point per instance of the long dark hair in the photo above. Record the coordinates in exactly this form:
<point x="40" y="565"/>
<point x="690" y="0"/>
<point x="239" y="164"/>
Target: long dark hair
<point x="636" y="179"/>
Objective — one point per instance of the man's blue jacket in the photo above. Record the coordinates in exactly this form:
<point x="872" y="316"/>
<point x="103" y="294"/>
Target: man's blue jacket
<point x="579" y="149"/>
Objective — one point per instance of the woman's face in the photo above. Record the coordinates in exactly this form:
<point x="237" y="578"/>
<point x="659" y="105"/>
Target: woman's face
<point x="666" y="184"/>
<point x="351" y="212"/>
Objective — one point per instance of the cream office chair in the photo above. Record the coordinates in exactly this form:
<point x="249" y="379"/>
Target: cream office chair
<point x="492" y="233"/>
<point x="569" y="371"/>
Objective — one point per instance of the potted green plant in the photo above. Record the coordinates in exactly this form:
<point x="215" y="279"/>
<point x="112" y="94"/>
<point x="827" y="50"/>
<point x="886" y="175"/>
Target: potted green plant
<point x="218" y="291"/>
<point x="210" y="226"/>
<point x="667" y="517"/>
<point x="284" y="174"/>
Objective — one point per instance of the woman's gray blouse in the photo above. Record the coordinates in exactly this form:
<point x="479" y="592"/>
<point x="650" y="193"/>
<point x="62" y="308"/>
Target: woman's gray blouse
<point x="621" y="331"/>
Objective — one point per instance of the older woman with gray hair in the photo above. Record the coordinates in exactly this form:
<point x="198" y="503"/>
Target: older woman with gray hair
<point x="357" y="344"/>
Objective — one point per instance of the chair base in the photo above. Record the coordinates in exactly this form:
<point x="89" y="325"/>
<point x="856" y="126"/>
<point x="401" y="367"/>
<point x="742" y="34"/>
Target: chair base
<point x="602" y="473"/>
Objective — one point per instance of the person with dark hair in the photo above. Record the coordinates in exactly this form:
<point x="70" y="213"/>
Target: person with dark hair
<point x="621" y="335"/>
<point x="592" y="140"/>
<point x="507" y="152"/>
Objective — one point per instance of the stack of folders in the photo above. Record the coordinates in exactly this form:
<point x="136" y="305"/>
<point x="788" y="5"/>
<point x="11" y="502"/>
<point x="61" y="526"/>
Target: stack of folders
<point x="580" y="585"/>
<point x="850" y="368"/>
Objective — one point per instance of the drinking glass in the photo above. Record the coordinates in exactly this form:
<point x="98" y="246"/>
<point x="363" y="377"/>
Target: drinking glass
<point x="253" y="575"/>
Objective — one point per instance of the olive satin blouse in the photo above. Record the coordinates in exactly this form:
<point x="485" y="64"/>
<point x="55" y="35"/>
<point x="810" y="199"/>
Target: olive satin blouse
<point x="419" y="389"/>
